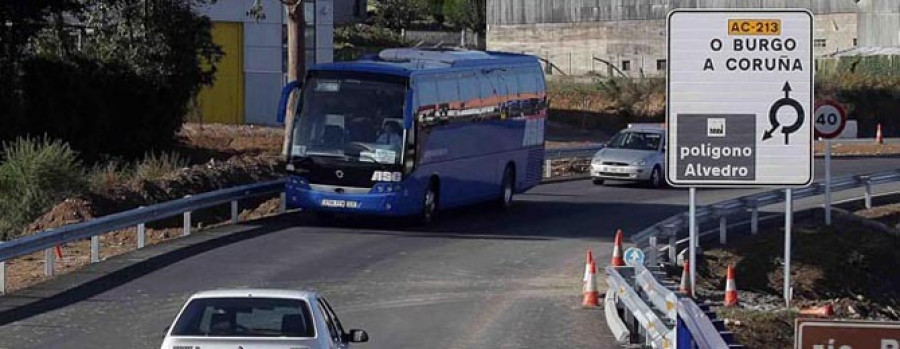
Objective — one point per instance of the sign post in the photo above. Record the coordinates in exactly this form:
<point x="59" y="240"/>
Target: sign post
<point x="837" y="334"/>
<point x="830" y="119"/>
<point x="739" y="103"/>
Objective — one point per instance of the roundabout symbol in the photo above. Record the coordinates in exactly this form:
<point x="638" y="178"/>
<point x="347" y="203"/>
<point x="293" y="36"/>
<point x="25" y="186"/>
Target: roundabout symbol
<point x="787" y="101"/>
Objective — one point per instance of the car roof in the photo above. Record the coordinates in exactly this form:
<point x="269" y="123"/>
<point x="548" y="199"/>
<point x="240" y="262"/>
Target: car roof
<point x="257" y="293"/>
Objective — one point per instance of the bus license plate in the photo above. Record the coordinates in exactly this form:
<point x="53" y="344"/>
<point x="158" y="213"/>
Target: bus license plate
<point x="339" y="203"/>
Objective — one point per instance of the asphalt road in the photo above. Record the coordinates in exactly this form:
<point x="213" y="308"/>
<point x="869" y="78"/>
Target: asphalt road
<point x="477" y="279"/>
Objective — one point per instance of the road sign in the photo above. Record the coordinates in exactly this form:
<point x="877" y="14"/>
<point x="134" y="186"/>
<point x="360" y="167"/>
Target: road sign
<point x="634" y="256"/>
<point x="739" y="98"/>
<point x="825" y="334"/>
<point x="829" y="119"/>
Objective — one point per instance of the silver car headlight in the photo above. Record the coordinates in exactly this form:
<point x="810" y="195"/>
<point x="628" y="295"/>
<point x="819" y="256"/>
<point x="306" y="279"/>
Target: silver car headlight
<point x="640" y="162"/>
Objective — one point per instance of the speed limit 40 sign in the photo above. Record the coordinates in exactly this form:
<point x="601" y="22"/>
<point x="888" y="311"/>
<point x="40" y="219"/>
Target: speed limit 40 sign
<point x="830" y="119"/>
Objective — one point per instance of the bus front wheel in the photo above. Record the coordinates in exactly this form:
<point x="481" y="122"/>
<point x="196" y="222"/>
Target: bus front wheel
<point x="429" y="205"/>
<point x="507" y="189"/>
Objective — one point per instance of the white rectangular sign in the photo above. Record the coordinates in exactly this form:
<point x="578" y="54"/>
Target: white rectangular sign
<point x="739" y="98"/>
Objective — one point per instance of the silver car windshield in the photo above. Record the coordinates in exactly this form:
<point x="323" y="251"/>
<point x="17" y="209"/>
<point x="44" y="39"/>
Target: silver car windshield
<point x="245" y="317"/>
<point x="636" y="141"/>
<point x="351" y="119"/>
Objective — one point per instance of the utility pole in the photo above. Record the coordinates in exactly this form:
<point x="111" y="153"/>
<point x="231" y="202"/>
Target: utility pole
<point x="296" y="60"/>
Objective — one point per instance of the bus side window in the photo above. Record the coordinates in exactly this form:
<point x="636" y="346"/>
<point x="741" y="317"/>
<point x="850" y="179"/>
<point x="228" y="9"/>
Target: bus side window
<point x="427" y="96"/>
<point x="448" y="91"/>
<point x="468" y="90"/>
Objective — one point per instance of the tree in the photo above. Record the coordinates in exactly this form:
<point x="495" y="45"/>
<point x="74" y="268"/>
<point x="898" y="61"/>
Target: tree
<point x="468" y="14"/>
<point x="399" y="14"/>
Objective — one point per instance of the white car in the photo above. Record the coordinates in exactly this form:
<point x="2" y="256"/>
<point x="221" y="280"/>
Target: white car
<point x="258" y="319"/>
<point x="636" y="153"/>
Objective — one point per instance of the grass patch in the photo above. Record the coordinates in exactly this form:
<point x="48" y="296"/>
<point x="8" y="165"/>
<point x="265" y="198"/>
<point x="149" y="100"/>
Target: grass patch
<point x="761" y="329"/>
<point x="36" y="173"/>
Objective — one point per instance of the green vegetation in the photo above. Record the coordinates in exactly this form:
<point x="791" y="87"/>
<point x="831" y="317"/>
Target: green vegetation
<point x="36" y="174"/>
<point x="354" y="40"/>
<point x="106" y="76"/>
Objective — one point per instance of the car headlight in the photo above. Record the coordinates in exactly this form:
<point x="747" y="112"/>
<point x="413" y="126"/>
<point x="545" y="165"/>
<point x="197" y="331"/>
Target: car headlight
<point x="640" y="162"/>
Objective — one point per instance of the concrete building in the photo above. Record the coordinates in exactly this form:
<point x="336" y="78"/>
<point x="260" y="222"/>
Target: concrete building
<point x="628" y="37"/>
<point x="253" y="70"/>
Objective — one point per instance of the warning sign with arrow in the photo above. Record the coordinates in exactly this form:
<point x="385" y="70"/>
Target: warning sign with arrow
<point x="739" y="95"/>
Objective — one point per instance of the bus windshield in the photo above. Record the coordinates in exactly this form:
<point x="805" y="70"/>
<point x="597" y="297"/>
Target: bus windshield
<point x="351" y="119"/>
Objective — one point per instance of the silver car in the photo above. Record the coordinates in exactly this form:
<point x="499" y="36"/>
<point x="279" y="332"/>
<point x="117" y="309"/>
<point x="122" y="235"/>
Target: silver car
<point x="634" y="154"/>
<point x="258" y="318"/>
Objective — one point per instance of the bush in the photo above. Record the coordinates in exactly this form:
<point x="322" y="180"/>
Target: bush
<point x="36" y="174"/>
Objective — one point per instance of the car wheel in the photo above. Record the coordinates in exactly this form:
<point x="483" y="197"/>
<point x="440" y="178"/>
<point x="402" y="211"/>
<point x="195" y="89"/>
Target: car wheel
<point x="598" y="181"/>
<point x="507" y="189"/>
<point x="429" y="205"/>
<point x="655" y="178"/>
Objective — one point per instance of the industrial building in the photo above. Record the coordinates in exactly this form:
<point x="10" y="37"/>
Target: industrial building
<point x="628" y="37"/>
<point x="253" y="70"/>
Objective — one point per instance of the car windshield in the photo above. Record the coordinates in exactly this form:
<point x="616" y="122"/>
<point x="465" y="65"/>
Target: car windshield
<point x="636" y="140"/>
<point x="245" y="317"/>
<point x="352" y="119"/>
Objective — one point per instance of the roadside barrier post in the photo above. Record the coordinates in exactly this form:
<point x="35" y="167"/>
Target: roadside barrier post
<point x="282" y="202"/>
<point x="2" y="278"/>
<point x="49" y="260"/>
<point x="868" y="193"/>
<point x="548" y="170"/>
<point x="234" y="212"/>
<point x="141" y="234"/>
<point x="828" y="181"/>
<point x="654" y="252"/>
<point x="754" y="220"/>
<point x="187" y="221"/>
<point x="723" y="230"/>
<point x="95" y="248"/>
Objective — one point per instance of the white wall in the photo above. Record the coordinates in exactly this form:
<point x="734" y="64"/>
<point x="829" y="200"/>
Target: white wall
<point x="263" y="56"/>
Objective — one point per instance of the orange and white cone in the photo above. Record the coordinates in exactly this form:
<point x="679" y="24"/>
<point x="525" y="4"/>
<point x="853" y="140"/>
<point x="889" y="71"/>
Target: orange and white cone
<point x="685" y="287"/>
<point x="587" y="266"/>
<point x="824" y="311"/>
<point x="731" y="294"/>
<point x="879" y="138"/>
<point x="617" y="260"/>
<point x="591" y="295"/>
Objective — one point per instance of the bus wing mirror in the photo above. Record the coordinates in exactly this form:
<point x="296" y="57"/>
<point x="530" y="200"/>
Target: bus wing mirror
<point x="285" y="95"/>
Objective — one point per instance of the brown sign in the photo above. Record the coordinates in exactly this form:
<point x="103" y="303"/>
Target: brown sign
<point x="835" y="334"/>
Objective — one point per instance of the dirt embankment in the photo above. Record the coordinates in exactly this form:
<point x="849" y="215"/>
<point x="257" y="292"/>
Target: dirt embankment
<point x="850" y="266"/>
<point x="222" y="157"/>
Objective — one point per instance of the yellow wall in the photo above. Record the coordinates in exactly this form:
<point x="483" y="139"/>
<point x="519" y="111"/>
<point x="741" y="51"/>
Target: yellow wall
<point x="224" y="101"/>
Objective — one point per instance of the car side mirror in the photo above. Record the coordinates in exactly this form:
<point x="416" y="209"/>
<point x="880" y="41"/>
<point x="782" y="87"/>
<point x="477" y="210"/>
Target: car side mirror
<point x="358" y="336"/>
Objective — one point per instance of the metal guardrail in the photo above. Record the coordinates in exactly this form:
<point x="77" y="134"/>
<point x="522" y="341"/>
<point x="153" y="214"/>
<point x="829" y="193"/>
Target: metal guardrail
<point x="654" y="316"/>
<point x="49" y="239"/>
<point x="139" y="217"/>
<point x="572" y="152"/>
<point x="671" y="226"/>
<point x="648" y="327"/>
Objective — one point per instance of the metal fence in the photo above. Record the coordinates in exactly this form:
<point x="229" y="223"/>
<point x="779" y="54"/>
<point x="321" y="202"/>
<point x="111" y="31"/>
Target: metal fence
<point x="671" y="227"/>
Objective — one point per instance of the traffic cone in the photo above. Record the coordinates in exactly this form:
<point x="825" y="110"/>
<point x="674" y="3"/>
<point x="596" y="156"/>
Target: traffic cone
<point x="685" y="287"/>
<point x="824" y="311"/>
<point x="879" y="138"/>
<point x="587" y="265"/>
<point x="617" y="260"/>
<point x="731" y="294"/>
<point x="591" y="296"/>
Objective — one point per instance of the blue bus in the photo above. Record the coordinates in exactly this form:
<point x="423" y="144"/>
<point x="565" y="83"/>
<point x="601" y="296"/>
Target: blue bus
<point x="409" y="132"/>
